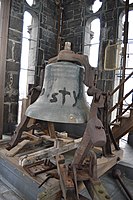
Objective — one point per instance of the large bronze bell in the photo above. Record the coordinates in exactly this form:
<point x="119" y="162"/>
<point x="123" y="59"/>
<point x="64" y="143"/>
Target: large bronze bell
<point x="62" y="98"/>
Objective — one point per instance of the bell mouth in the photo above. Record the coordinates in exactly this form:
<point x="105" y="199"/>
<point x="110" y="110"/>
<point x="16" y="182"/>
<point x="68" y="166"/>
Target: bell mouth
<point x="55" y="114"/>
<point x="73" y="130"/>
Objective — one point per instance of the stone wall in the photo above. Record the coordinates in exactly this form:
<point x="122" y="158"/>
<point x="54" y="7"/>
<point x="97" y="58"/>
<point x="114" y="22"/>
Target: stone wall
<point x="46" y="13"/>
<point x="109" y="26"/>
<point x="53" y="31"/>
<point x="73" y="24"/>
<point x="47" y="34"/>
<point x="47" y="31"/>
<point x="13" y="66"/>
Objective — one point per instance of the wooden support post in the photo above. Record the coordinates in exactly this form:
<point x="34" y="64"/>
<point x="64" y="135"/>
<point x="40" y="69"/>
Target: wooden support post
<point x="4" y="21"/>
<point x="51" y="130"/>
<point x="66" y="182"/>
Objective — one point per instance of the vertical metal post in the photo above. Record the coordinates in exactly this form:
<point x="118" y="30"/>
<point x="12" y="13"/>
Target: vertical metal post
<point x="121" y="91"/>
<point x="4" y="22"/>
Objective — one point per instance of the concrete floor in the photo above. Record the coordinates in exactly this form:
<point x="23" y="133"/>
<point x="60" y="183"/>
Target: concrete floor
<point x="8" y="192"/>
<point x="112" y="185"/>
<point x="128" y="153"/>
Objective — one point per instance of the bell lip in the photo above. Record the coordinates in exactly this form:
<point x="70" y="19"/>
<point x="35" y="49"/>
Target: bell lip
<point x="78" y="120"/>
<point x="57" y="121"/>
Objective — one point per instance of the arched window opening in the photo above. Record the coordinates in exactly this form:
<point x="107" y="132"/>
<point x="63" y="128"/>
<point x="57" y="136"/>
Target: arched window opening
<point x="24" y="60"/>
<point x="130" y="1"/>
<point x="94" y="47"/>
<point x="30" y="2"/>
<point x="91" y="45"/>
<point x="33" y="31"/>
<point x="28" y="56"/>
<point x="96" y="6"/>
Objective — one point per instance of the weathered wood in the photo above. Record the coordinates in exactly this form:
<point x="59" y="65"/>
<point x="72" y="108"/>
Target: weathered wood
<point x="48" y="153"/>
<point x="31" y="136"/>
<point x="18" y="132"/>
<point x="17" y="148"/>
<point x="51" y="191"/>
<point x="106" y="163"/>
<point x="97" y="186"/>
<point x="126" y="125"/>
<point x="30" y="123"/>
<point x="25" y="104"/>
<point x="103" y="165"/>
<point x="58" y="139"/>
<point x="51" y="130"/>
<point x="4" y="142"/>
<point x="47" y="195"/>
<point x="52" y="188"/>
<point x="66" y="182"/>
<point x="82" y="197"/>
<point x="4" y="22"/>
<point x="48" y="138"/>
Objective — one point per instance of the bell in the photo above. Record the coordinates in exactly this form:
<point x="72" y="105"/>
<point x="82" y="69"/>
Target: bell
<point x="62" y="98"/>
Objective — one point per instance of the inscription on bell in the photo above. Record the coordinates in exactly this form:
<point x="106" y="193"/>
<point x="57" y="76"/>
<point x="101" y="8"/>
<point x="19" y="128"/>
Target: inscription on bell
<point x="64" y="93"/>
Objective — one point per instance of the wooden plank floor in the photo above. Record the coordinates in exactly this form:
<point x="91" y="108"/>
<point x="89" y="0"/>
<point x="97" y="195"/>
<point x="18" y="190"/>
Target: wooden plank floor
<point x="52" y="186"/>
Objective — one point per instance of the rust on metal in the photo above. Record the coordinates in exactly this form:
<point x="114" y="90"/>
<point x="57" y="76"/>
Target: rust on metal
<point x="39" y="167"/>
<point x="66" y="182"/>
<point x="69" y="55"/>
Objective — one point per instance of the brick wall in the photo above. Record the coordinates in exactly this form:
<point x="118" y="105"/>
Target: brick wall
<point x="47" y="31"/>
<point x="46" y="48"/>
<point x="74" y="21"/>
<point x="47" y="34"/>
<point x="75" y="13"/>
<point x="13" y="66"/>
<point x="109" y="17"/>
<point x="73" y="24"/>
